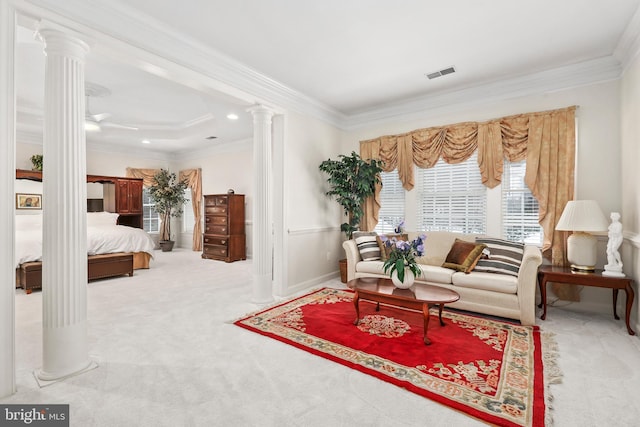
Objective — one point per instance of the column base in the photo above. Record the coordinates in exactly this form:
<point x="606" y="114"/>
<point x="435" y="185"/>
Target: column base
<point x="43" y="379"/>
<point x="262" y="289"/>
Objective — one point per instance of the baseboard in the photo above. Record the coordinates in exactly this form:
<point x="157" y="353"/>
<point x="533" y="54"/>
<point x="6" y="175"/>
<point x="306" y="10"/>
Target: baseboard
<point x="311" y="283"/>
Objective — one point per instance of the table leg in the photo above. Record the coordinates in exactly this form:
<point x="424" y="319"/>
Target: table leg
<point x="377" y="306"/>
<point x="542" y="282"/>
<point x="425" y="314"/>
<point x="440" y="307"/>
<point x="630" y="295"/>
<point x="615" y="303"/>
<point x="356" y="299"/>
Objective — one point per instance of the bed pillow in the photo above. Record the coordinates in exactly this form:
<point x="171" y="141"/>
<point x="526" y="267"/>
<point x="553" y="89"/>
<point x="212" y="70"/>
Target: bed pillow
<point x="28" y="221"/>
<point x="101" y="218"/>
<point x="504" y="257"/>
<point x="463" y="255"/>
<point x="367" y="242"/>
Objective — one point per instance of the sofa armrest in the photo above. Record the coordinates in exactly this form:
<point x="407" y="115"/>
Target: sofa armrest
<point x="527" y="283"/>
<point x="353" y="257"/>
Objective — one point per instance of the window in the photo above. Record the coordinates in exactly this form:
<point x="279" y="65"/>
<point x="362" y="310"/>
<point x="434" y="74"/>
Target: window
<point x="519" y="207"/>
<point x="391" y="202"/>
<point x="150" y="218"/>
<point x="452" y="197"/>
<point x="188" y="219"/>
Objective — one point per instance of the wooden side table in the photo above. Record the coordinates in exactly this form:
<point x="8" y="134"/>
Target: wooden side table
<point x="548" y="273"/>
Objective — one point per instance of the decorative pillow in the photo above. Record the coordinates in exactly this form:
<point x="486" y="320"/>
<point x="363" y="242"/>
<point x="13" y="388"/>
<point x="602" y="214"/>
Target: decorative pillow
<point x="367" y="242"/>
<point x="101" y="218"/>
<point x="504" y="257"/>
<point x="386" y="250"/>
<point x="463" y="256"/>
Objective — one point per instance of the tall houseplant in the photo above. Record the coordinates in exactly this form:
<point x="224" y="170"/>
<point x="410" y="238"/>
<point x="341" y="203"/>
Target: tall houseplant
<point x="351" y="180"/>
<point x="169" y="199"/>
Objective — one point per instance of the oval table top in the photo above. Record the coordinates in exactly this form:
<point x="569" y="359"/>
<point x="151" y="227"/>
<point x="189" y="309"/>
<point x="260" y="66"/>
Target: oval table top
<point x="419" y="292"/>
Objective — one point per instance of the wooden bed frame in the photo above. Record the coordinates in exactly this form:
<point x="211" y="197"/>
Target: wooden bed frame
<point x="29" y="274"/>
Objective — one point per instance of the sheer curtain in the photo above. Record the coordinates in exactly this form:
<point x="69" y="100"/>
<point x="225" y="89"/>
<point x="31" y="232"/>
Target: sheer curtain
<point x="545" y="139"/>
<point x="194" y="181"/>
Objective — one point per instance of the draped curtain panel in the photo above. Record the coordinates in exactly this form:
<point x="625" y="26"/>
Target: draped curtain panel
<point x="194" y="181"/>
<point x="545" y="139"/>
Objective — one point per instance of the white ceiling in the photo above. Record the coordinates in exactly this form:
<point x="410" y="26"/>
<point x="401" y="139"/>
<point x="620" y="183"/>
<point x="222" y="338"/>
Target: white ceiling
<point x="353" y="56"/>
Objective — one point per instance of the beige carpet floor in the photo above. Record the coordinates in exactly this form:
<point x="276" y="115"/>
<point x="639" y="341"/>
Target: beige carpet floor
<point x="169" y="357"/>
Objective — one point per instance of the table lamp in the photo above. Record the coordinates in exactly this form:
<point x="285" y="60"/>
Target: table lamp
<point x="582" y="217"/>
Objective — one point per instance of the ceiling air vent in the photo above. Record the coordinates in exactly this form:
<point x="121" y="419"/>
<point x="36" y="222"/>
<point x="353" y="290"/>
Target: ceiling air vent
<point x="441" y="73"/>
<point x="211" y="137"/>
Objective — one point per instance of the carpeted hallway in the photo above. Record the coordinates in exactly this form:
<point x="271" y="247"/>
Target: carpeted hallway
<point x="169" y="357"/>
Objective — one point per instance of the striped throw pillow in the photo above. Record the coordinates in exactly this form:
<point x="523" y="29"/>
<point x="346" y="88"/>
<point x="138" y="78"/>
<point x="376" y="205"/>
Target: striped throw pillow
<point x="504" y="256"/>
<point x="367" y="245"/>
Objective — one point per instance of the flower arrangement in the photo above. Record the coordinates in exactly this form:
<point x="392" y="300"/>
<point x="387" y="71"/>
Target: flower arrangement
<point x="403" y="255"/>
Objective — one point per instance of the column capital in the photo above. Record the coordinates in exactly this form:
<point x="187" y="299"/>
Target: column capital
<point x="260" y="110"/>
<point x="57" y="41"/>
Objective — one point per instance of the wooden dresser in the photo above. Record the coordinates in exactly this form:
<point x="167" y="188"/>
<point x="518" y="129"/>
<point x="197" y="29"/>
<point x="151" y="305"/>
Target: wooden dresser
<point x="224" y="235"/>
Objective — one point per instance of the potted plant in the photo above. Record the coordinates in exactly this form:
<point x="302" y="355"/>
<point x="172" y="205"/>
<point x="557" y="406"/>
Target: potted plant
<point x="36" y="161"/>
<point x="168" y="196"/>
<point x="351" y="180"/>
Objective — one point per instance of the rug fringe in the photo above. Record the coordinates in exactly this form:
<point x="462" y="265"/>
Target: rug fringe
<point x="552" y="372"/>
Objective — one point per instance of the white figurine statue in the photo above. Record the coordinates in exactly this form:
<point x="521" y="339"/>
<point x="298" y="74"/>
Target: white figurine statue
<point x="614" y="262"/>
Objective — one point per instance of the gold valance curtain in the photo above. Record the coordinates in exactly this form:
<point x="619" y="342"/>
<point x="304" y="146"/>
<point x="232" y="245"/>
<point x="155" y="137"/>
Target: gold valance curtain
<point x="194" y="181"/>
<point x="147" y="175"/>
<point x="545" y="139"/>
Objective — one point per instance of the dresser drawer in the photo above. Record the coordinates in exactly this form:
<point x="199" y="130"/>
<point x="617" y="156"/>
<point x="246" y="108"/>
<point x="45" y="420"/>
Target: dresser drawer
<point x="215" y="250"/>
<point x="216" y="201"/>
<point x="216" y="220"/>
<point x="215" y="210"/>
<point x="220" y="241"/>
<point x="215" y="229"/>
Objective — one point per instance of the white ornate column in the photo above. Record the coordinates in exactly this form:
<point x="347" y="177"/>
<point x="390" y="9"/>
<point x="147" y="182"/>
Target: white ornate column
<point x="7" y="179"/>
<point x="262" y="289"/>
<point x="64" y="250"/>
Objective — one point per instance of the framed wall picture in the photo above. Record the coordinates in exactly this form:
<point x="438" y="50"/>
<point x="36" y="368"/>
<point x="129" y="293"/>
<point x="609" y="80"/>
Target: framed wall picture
<point x="28" y="201"/>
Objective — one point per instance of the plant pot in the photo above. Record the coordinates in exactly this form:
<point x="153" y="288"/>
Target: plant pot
<point x="343" y="270"/>
<point x="409" y="278"/>
<point x="166" y="245"/>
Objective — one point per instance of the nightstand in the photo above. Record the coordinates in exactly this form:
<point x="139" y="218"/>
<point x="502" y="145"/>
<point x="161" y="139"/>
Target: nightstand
<point x="548" y="273"/>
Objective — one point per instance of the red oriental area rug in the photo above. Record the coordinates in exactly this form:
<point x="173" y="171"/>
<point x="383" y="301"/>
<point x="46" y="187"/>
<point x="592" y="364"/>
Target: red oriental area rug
<point x="491" y="370"/>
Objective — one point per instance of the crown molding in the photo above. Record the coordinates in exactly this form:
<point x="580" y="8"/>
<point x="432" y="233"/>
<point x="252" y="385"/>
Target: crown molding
<point x="124" y="24"/>
<point x="628" y="46"/>
<point x="575" y="75"/>
<point x="120" y="28"/>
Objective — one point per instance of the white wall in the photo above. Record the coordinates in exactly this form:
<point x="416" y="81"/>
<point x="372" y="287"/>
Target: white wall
<point x="314" y="241"/>
<point x="224" y="167"/>
<point x="598" y="174"/>
<point x="630" y="159"/>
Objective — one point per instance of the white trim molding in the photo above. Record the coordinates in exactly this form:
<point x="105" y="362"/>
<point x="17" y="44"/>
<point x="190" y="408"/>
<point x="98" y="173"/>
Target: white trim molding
<point x="311" y="230"/>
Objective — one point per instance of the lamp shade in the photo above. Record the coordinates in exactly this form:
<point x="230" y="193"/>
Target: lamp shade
<point x="582" y="215"/>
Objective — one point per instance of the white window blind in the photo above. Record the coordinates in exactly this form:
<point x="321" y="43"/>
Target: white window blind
<point x="452" y="197"/>
<point x="391" y="202"/>
<point x="150" y="218"/>
<point x="519" y="207"/>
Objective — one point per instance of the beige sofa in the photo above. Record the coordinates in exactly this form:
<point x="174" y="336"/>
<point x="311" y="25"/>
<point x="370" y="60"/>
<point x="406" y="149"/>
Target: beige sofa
<point x="482" y="292"/>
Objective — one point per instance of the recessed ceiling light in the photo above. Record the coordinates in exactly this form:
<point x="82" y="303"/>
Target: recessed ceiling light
<point x="146" y="141"/>
<point x="232" y="116"/>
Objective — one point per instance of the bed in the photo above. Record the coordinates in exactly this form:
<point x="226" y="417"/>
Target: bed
<point x="112" y="249"/>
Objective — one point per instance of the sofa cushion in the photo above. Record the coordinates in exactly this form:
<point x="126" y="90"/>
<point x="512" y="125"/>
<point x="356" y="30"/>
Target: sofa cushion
<point x="486" y="281"/>
<point x="367" y="242"/>
<point x="372" y="267"/>
<point x="504" y="256"/>
<point x="435" y="274"/>
<point x="463" y="255"/>
<point x="438" y="244"/>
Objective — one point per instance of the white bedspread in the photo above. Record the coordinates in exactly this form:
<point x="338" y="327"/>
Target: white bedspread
<point x="101" y="239"/>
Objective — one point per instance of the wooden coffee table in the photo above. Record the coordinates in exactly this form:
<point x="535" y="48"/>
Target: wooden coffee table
<point x="419" y="297"/>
